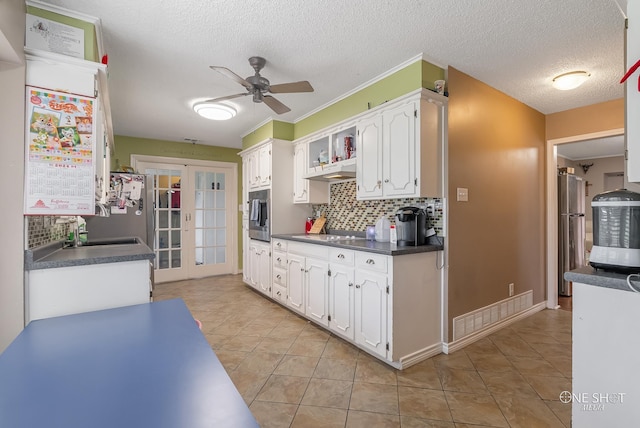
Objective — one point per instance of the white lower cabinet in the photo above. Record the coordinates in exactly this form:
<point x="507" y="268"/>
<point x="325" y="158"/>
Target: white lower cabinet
<point x="341" y="301"/>
<point x="371" y="311"/>
<point x="388" y="306"/>
<point x="295" y="282"/>
<point x="260" y="266"/>
<point x="308" y="282"/>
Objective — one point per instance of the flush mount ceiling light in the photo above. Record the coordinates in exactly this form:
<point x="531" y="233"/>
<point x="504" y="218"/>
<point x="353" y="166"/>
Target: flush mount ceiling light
<point x="214" y="111"/>
<point x="571" y="80"/>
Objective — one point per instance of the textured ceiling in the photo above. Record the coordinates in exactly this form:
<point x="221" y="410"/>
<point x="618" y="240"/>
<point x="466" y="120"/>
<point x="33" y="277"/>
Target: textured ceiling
<point x="160" y="52"/>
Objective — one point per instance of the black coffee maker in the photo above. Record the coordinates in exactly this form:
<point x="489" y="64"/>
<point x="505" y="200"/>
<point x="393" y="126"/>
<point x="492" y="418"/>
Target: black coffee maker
<point x="411" y="225"/>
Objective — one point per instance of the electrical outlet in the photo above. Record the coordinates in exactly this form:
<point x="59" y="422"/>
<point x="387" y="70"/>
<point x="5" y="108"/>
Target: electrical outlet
<point x="511" y="289"/>
<point x="431" y="209"/>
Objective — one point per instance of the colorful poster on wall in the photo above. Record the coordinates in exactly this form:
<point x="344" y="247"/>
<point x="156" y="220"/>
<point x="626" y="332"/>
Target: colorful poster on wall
<point x="60" y="155"/>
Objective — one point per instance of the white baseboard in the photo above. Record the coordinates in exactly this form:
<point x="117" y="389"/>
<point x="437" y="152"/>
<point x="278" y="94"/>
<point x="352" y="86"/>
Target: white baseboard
<point x="474" y="328"/>
<point x="421" y="355"/>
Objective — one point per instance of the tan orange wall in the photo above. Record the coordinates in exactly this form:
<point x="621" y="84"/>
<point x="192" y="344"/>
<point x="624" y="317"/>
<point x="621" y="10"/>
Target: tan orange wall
<point x="586" y="120"/>
<point x="497" y="151"/>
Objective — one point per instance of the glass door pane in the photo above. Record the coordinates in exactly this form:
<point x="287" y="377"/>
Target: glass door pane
<point x="167" y="204"/>
<point x="210" y="218"/>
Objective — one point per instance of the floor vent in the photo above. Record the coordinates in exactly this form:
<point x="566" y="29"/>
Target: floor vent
<point x="480" y="319"/>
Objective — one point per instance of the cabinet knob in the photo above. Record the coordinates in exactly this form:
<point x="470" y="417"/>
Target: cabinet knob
<point x="278" y="259"/>
<point x="279" y="245"/>
<point x="386" y="181"/>
<point x="379" y="184"/>
<point x="371" y="262"/>
<point x="357" y="286"/>
<point x="278" y="293"/>
<point x="278" y="276"/>
<point x="341" y="256"/>
<point x="351" y="284"/>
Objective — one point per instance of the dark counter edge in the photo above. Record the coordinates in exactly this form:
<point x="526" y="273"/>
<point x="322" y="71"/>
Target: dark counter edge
<point x="363" y="245"/>
<point x="599" y="278"/>
<point x="33" y="256"/>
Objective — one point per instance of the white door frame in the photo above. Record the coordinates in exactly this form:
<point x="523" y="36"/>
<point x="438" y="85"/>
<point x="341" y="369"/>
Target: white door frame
<point x="233" y="184"/>
<point x="552" y="207"/>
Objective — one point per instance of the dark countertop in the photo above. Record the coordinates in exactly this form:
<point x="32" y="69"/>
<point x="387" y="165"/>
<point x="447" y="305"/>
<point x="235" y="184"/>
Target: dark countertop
<point x="54" y="255"/>
<point x="590" y="276"/>
<point x="363" y="245"/>
<point x="144" y="365"/>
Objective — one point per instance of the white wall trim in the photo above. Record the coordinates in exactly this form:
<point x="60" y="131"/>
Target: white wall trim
<point x="552" y="207"/>
<point x="421" y="355"/>
<point x="474" y="337"/>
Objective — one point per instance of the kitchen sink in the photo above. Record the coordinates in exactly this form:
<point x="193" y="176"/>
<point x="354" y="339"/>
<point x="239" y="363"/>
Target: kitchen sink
<point x="129" y="240"/>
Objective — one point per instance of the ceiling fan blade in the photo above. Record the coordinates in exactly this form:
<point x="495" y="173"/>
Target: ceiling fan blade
<point x="231" y="75"/>
<point x="228" y="97"/>
<point x="302" y="86"/>
<point x="275" y="105"/>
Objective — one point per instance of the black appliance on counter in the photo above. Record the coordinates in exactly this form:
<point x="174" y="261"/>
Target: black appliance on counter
<point x="412" y="226"/>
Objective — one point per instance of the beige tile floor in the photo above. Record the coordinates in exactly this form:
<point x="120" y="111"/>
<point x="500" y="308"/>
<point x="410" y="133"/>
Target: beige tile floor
<point x="293" y="374"/>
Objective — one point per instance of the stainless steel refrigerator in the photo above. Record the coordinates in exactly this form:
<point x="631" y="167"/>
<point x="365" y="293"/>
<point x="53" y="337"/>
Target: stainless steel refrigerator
<point x="571" y="228"/>
<point x="130" y="203"/>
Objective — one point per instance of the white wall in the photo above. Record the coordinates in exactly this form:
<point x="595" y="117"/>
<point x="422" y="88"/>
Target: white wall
<point x="12" y="82"/>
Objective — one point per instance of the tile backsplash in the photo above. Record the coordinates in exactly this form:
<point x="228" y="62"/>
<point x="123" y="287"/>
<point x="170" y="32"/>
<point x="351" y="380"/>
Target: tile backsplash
<point x="344" y="212"/>
<point x="42" y="229"/>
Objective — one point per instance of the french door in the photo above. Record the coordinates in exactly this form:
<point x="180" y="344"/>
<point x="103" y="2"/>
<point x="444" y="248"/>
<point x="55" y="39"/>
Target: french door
<point x="195" y="224"/>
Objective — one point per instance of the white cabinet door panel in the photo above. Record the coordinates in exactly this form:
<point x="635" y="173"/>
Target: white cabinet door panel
<point x="399" y="151"/>
<point x="369" y="158"/>
<point x="371" y="311"/>
<point x="341" y="301"/>
<point x="295" y="286"/>
<point x="316" y="290"/>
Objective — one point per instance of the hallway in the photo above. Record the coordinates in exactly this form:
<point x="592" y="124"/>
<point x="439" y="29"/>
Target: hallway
<point x="293" y="374"/>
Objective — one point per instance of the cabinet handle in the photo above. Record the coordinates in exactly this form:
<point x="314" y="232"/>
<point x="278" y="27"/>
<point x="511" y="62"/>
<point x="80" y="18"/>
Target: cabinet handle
<point x="379" y="184"/>
<point x="351" y="284"/>
<point x="386" y="181"/>
<point x="341" y="256"/>
<point x="371" y="262"/>
<point x="357" y="286"/>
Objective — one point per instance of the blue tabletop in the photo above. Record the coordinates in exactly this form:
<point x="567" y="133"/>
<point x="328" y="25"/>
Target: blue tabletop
<point x="138" y="366"/>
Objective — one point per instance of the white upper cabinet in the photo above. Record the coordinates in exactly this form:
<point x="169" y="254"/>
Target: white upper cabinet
<point x="264" y="166"/>
<point x="632" y="123"/>
<point x="259" y="167"/>
<point x="400" y="150"/>
<point x="369" y="160"/>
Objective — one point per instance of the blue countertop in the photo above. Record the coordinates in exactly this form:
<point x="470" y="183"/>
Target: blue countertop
<point x="138" y="366"/>
<point x="55" y="255"/>
<point x="366" y="245"/>
<point x="600" y="278"/>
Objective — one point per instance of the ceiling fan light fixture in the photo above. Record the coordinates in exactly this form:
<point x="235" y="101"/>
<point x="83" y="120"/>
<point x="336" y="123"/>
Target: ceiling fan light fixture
<point x="571" y="80"/>
<point x="214" y="111"/>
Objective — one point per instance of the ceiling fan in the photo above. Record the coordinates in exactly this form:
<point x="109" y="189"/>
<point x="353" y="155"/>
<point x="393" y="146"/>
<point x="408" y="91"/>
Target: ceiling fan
<point x="259" y="87"/>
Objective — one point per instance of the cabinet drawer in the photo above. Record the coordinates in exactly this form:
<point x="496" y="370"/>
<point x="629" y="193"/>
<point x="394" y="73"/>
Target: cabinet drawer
<point x="280" y="245"/>
<point x="371" y="261"/>
<point x="280" y="277"/>
<point x="279" y="259"/>
<point x="279" y="293"/>
<point x="341" y="256"/>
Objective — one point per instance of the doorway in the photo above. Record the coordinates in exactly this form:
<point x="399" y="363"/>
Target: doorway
<point x="194" y="217"/>
<point x="552" y="206"/>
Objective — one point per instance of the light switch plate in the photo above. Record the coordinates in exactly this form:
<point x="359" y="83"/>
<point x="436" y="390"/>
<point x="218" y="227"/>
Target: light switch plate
<point x="462" y="194"/>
